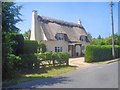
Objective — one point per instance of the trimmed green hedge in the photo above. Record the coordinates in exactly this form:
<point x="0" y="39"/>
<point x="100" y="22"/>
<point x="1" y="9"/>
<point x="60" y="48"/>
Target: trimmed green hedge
<point x="29" y="62"/>
<point x="30" y="47"/>
<point x="60" y="57"/>
<point x="96" y="53"/>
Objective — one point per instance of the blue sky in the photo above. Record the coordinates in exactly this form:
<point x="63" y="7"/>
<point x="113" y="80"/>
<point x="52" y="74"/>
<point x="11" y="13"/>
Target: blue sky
<point x="95" y="16"/>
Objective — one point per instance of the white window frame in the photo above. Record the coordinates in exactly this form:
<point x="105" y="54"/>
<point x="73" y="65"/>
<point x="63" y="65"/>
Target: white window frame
<point x="58" y="49"/>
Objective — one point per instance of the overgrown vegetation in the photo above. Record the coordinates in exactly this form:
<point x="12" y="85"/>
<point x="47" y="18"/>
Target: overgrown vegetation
<point x="10" y="17"/>
<point x="96" y="53"/>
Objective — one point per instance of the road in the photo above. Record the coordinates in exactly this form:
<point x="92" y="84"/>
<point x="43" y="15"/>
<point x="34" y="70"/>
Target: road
<point x="97" y="76"/>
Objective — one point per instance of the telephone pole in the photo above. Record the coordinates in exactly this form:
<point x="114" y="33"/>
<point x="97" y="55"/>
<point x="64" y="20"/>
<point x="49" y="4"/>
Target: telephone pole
<point x="111" y="10"/>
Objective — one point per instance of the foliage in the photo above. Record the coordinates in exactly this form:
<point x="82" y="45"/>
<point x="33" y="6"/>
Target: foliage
<point x="27" y="61"/>
<point x="37" y="76"/>
<point x="10" y="66"/>
<point x="89" y="36"/>
<point x="34" y="47"/>
<point x="27" y="35"/>
<point x="105" y="41"/>
<point x="18" y="47"/>
<point x="99" y="37"/>
<point x="60" y="57"/>
<point x="95" y="53"/>
<point x="10" y="17"/>
<point x="30" y="47"/>
<point x="41" y="47"/>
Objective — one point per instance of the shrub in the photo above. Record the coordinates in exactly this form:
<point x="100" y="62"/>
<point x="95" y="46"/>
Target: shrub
<point x="19" y="42"/>
<point x="60" y="57"/>
<point x="10" y="68"/>
<point x="9" y="60"/>
<point x="95" y="53"/>
<point x="30" y="47"/>
<point x="41" y="47"/>
<point x="27" y="61"/>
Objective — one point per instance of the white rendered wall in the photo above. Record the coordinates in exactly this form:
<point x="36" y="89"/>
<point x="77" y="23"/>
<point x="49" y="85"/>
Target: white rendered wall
<point x="50" y="45"/>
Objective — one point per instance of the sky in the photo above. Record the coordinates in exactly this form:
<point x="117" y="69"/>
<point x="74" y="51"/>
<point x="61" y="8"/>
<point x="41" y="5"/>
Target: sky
<point x="95" y="16"/>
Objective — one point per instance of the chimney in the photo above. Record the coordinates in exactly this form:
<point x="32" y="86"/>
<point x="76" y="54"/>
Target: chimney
<point x="33" y="26"/>
<point x="79" y="22"/>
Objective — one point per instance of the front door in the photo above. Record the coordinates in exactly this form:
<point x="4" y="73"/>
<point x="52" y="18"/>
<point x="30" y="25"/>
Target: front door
<point x="78" y="50"/>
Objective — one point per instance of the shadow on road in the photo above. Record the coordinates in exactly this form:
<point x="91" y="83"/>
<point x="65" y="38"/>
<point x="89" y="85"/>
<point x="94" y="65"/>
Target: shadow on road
<point x="40" y="83"/>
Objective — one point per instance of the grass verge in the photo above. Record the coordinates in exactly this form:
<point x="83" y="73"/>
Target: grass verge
<point x="37" y="76"/>
<point x="107" y="61"/>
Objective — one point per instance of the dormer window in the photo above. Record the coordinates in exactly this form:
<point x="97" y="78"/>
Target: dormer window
<point x="60" y="36"/>
<point x="83" y="38"/>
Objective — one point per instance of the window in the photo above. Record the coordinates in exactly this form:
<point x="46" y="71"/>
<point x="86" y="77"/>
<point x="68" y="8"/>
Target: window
<point x="60" y="36"/>
<point x="55" y="49"/>
<point x="83" y="38"/>
<point x="58" y="49"/>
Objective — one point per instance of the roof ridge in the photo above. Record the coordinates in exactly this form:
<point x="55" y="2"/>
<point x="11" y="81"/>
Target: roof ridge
<point x="49" y="19"/>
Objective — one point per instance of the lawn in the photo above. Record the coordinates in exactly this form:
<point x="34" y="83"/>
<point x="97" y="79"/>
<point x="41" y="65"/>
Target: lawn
<point x="37" y="76"/>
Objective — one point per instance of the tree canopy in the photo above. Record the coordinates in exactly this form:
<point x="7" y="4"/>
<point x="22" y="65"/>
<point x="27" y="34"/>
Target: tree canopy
<point x="27" y="35"/>
<point x="105" y="41"/>
<point x="10" y="17"/>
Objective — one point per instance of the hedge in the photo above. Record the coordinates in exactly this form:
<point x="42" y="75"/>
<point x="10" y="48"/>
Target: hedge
<point x="27" y="61"/>
<point x="30" y="47"/>
<point x="60" y="57"/>
<point x="18" y="46"/>
<point x="96" y="53"/>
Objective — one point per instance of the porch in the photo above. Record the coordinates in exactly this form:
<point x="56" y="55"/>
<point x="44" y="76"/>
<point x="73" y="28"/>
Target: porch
<point x="76" y="50"/>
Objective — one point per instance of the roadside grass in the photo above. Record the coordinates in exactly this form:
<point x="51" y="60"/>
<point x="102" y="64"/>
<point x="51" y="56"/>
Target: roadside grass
<point x="37" y="76"/>
<point x="107" y="61"/>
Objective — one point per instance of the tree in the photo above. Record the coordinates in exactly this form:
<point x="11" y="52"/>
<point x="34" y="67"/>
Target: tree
<point x="99" y="37"/>
<point x="27" y="35"/>
<point x="89" y="36"/>
<point x="10" y="17"/>
<point x="105" y="41"/>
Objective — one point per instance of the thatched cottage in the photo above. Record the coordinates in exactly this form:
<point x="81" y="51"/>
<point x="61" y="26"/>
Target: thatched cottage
<point x="59" y="35"/>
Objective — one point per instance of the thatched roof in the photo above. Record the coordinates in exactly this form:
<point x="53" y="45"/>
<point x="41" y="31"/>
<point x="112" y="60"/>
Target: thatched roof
<point x="52" y="26"/>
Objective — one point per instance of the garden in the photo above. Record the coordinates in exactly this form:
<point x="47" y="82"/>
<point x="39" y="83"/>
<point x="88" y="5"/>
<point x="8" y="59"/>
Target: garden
<point x="24" y="60"/>
<point x="30" y="58"/>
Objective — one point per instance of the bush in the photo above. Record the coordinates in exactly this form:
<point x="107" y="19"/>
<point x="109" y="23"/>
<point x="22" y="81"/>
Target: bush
<point x="27" y="61"/>
<point x="19" y="42"/>
<point x="9" y="61"/>
<point x="60" y="57"/>
<point x="10" y="69"/>
<point x="41" y="47"/>
<point x="96" y="53"/>
<point x="30" y="47"/>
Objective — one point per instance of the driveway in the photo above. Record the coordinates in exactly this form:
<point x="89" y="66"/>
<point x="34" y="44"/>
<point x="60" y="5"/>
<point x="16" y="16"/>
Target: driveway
<point x="86" y="76"/>
<point x="80" y="63"/>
